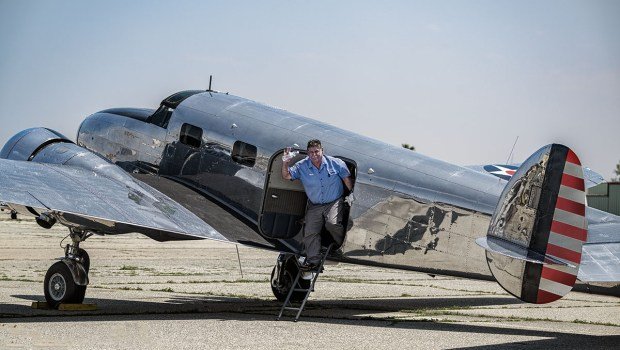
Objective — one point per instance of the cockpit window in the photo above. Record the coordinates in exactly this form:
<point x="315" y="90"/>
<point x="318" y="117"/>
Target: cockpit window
<point x="162" y="115"/>
<point x="174" y="100"/>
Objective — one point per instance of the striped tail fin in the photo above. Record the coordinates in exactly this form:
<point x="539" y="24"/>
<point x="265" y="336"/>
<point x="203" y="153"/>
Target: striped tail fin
<point x="538" y="228"/>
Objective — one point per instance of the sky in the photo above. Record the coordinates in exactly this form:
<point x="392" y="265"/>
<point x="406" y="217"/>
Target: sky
<point x="459" y="80"/>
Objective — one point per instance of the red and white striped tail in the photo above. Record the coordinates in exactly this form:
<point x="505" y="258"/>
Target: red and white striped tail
<point x="568" y="233"/>
<point x="538" y="229"/>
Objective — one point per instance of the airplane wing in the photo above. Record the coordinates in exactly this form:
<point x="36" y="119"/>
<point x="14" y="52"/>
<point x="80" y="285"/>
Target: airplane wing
<point x="103" y="200"/>
<point x="600" y="259"/>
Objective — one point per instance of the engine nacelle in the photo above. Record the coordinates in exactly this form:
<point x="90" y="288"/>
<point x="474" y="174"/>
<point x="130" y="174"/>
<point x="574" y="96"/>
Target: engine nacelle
<point x="43" y="145"/>
<point x="26" y="144"/>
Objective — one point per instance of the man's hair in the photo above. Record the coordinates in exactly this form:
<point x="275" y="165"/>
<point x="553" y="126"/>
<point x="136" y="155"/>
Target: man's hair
<point x="314" y="143"/>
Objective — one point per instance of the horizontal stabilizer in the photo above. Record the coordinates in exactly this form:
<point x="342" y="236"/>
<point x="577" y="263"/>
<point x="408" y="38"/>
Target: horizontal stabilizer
<point x="516" y="251"/>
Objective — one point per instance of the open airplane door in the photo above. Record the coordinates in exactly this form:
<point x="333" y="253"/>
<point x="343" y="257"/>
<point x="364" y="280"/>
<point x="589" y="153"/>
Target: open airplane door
<point x="533" y="245"/>
<point x="284" y="203"/>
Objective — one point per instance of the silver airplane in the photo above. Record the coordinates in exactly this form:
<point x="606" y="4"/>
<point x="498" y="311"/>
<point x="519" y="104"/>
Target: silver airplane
<point x="206" y="165"/>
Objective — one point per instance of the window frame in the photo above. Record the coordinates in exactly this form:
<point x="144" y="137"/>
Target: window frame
<point x="244" y="153"/>
<point x="185" y="135"/>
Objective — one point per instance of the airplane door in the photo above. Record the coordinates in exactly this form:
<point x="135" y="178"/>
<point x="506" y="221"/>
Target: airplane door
<point x="284" y="202"/>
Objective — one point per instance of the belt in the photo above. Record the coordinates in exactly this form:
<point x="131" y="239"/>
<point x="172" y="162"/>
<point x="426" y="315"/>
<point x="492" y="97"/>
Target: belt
<point x="315" y="204"/>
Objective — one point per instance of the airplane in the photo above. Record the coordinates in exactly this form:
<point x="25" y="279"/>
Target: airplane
<point x="206" y="165"/>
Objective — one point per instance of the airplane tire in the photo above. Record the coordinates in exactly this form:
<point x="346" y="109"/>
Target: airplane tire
<point x="59" y="286"/>
<point x="286" y="280"/>
<point x="78" y="296"/>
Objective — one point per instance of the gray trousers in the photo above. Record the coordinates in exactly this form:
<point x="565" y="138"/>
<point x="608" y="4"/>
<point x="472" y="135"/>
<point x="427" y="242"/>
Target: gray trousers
<point x="317" y="216"/>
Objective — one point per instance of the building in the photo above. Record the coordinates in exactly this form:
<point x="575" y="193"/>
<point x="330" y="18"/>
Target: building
<point x="605" y="196"/>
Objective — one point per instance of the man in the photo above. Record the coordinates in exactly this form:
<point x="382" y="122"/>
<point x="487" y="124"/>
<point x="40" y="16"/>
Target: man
<point x="322" y="177"/>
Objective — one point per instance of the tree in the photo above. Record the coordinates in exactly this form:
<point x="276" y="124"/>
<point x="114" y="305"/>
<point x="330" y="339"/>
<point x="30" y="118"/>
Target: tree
<point x="408" y="146"/>
<point x="617" y="171"/>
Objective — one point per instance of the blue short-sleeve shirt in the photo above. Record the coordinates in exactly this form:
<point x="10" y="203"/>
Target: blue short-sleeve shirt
<point x="323" y="185"/>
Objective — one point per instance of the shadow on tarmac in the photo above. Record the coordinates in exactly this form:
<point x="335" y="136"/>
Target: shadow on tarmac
<point x="332" y="312"/>
<point x="201" y="303"/>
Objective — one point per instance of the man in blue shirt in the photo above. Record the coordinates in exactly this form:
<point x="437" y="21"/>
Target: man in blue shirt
<point x="322" y="177"/>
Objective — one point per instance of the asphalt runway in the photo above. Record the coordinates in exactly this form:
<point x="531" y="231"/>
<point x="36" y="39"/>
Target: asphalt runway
<point x="189" y="295"/>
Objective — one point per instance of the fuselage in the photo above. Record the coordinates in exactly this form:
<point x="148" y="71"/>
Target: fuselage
<point x="214" y="152"/>
<point x="207" y="165"/>
<point x="411" y="211"/>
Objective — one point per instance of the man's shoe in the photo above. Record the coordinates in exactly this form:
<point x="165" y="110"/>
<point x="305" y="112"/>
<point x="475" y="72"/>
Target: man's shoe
<point x="308" y="266"/>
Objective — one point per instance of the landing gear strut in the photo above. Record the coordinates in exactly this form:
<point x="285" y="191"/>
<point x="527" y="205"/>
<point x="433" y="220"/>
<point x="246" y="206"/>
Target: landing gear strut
<point x="283" y="276"/>
<point x="66" y="280"/>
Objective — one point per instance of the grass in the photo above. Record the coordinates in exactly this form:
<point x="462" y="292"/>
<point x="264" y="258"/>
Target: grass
<point x="230" y="295"/>
<point x="177" y="273"/>
<point x="229" y="281"/>
<point x="130" y="288"/>
<point x="135" y="268"/>
<point x="448" y="312"/>
<point x="9" y="279"/>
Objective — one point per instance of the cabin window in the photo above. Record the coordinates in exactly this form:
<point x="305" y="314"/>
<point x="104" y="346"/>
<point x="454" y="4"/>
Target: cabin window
<point x="190" y="135"/>
<point x="244" y="153"/>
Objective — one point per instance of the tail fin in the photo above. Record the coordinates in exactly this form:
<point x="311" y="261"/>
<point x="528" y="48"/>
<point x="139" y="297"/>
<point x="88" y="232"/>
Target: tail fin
<point x="533" y="245"/>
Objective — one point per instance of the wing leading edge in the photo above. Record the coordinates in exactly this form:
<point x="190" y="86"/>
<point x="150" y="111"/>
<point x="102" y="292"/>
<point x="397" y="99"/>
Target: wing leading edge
<point x="94" y="200"/>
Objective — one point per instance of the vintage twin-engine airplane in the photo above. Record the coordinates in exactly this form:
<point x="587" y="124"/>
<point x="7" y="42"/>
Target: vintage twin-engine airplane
<point x="207" y="165"/>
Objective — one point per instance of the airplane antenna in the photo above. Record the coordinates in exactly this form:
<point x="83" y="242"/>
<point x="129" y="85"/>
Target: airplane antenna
<point x="210" y="80"/>
<point x="513" y="148"/>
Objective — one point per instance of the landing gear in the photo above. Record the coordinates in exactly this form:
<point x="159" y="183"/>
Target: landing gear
<point x="85" y="259"/>
<point x="283" y="276"/>
<point x="60" y="286"/>
<point x="66" y="280"/>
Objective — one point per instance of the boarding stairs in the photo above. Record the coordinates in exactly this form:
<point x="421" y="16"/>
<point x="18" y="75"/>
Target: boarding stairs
<point x="296" y="287"/>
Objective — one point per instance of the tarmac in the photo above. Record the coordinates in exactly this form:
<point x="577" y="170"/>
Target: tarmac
<point x="198" y="294"/>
